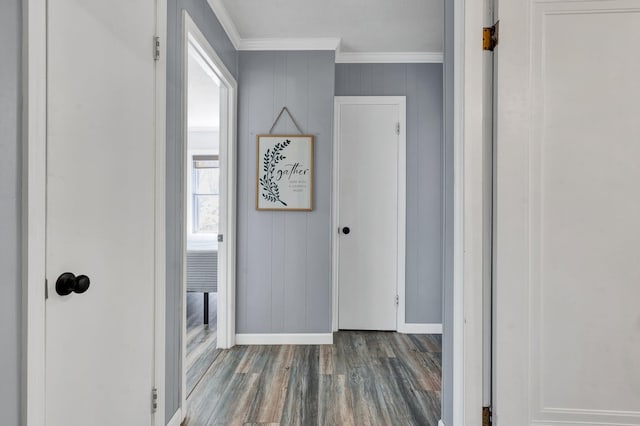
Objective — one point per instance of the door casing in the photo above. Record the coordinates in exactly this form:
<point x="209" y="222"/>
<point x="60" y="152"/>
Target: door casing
<point x="226" y="302"/>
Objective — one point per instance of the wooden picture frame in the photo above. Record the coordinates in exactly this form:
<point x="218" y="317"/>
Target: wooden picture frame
<point x="284" y="172"/>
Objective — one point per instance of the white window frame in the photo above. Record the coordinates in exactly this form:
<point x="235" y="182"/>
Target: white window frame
<point x="191" y="205"/>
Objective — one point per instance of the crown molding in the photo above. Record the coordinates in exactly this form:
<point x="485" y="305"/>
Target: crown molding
<point x="227" y="23"/>
<point x="389" y="57"/>
<point x="319" y="43"/>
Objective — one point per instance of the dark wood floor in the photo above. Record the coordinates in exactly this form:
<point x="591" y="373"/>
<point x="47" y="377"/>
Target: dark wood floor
<point x="365" y="378"/>
<point x="201" y="339"/>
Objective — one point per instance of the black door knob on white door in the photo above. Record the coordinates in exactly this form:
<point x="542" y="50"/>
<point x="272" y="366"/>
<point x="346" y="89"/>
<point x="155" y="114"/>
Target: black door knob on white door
<point x="346" y="230"/>
<point x="68" y="283"/>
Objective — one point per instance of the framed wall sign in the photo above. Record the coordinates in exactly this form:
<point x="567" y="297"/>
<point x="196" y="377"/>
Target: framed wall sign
<point x="284" y="172"/>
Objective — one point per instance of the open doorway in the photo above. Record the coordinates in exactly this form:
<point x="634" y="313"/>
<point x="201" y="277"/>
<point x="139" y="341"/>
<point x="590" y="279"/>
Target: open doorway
<point x="208" y="179"/>
<point x="202" y="204"/>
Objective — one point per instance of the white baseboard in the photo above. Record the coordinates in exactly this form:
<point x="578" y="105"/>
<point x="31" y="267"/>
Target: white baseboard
<point x="440" y="422"/>
<point x="285" y="339"/>
<point x="176" y="419"/>
<point x="420" y="328"/>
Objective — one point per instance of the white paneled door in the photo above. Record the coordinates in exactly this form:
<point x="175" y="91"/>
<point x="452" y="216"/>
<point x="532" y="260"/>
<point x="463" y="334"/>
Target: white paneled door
<point x="370" y="187"/>
<point x="100" y="212"/>
<point x="567" y="278"/>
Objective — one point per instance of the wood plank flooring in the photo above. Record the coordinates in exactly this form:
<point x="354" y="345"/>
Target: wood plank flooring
<point x="364" y="378"/>
<point x="201" y="338"/>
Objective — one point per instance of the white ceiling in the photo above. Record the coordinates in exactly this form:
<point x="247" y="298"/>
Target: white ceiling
<point x="203" y="95"/>
<point x="362" y="25"/>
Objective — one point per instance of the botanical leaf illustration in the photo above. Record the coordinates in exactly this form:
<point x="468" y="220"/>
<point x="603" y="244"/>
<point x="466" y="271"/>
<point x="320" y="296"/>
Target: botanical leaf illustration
<point x="271" y="192"/>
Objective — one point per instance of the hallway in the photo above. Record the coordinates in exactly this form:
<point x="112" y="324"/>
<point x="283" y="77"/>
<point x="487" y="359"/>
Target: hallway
<point x="201" y="338"/>
<point x="365" y="378"/>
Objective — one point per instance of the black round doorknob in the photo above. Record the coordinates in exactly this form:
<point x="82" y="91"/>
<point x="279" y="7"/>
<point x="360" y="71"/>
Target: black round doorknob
<point x="346" y="230"/>
<point x="68" y="283"/>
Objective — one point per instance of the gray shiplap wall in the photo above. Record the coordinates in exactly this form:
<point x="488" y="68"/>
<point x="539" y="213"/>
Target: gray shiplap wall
<point x="284" y="258"/>
<point x="447" y="318"/>
<point x="422" y="85"/>
<point x="10" y="199"/>
<point x="210" y="26"/>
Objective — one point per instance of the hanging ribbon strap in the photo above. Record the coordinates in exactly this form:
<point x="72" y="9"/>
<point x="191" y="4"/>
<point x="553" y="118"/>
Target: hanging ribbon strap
<point x="290" y="116"/>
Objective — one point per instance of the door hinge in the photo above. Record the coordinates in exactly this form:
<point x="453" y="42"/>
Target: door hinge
<point x="486" y="416"/>
<point x="220" y="238"/>
<point x="46" y="289"/>
<point x="154" y="400"/>
<point x="156" y="48"/>
<point x="397" y="128"/>
<point x="397" y="300"/>
<point x="490" y="37"/>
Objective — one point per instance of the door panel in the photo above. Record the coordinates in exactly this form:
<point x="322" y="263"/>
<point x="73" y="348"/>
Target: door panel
<point x="100" y="211"/>
<point x="368" y="206"/>
<point x="567" y="208"/>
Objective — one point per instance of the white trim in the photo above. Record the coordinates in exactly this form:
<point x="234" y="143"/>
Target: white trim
<point x="160" y="215"/>
<point x="285" y="339"/>
<point x="34" y="183"/>
<point x="401" y="201"/>
<point x="468" y="213"/>
<point x="441" y="423"/>
<point x="228" y="130"/>
<point x="177" y="419"/>
<point x="475" y="113"/>
<point x="402" y="214"/>
<point x="317" y="43"/>
<point x="389" y="57"/>
<point x="334" y="219"/>
<point x="414" y="328"/>
<point x="227" y="23"/>
<point x="184" y="131"/>
<point x="458" y="215"/>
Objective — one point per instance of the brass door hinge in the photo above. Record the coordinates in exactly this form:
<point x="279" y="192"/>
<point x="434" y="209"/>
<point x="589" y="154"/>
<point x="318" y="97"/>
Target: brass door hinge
<point x="486" y="416"/>
<point x="490" y="37"/>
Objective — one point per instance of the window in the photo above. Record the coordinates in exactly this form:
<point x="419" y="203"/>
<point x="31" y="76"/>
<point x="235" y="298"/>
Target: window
<point x="206" y="190"/>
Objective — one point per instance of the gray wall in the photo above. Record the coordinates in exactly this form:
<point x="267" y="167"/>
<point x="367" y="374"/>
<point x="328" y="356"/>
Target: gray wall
<point x="422" y="85"/>
<point x="10" y="199"/>
<point x="213" y="31"/>
<point x="284" y="258"/>
<point x="447" y="337"/>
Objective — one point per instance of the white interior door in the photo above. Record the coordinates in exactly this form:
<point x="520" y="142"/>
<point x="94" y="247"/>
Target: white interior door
<point x="370" y="190"/>
<point x="567" y="281"/>
<point x="100" y="211"/>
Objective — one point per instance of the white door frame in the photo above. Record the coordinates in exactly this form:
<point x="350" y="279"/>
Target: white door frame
<point x="470" y="111"/>
<point x="34" y="187"/>
<point x="400" y="101"/>
<point x="226" y="301"/>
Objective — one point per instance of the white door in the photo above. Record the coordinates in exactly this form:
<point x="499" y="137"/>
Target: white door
<point x="100" y="211"/>
<point x="370" y="158"/>
<point x="567" y="281"/>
